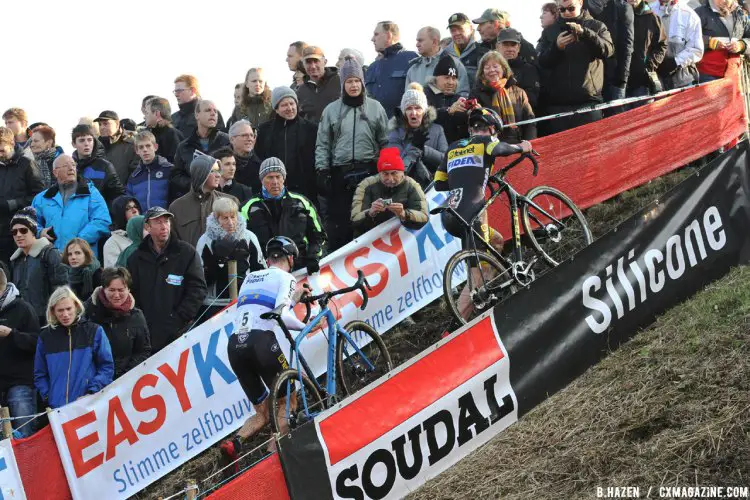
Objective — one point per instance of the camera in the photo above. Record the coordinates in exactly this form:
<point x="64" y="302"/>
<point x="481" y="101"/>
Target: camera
<point x="387" y="201"/>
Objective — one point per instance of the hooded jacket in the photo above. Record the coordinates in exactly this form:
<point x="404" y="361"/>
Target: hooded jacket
<point x="293" y="142"/>
<point x="71" y="362"/>
<point x="408" y="193"/>
<point x="179" y="178"/>
<point x="385" y="79"/>
<point x="97" y="169"/>
<point x="249" y="258"/>
<point x="18" y="347"/>
<point x="454" y="125"/>
<point x="118" y="240"/>
<point x="418" y="164"/>
<point x="167" y="138"/>
<point x="85" y="215"/>
<point x="314" y="97"/>
<point x="149" y="184"/>
<point x="649" y="46"/>
<point x="684" y="42"/>
<point x="134" y="229"/>
<point x="617" y="16"/>
<point x="184" y="119"/>
<point x="169" y="287"/>
<point x="19" y="183"/>
<point x="256" y="109"/>
<point x="714" y="62"/>
<point x="38" y="274"/>
<point x="121" y="154"/>
<point x="577" y="71"/>
<point x="469" y="57"/>
<point x="127" y="332"/>
<point x="521" y="109"/>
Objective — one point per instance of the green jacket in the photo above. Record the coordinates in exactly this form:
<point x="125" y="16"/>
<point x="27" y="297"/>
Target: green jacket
<point x="408" y="193"/>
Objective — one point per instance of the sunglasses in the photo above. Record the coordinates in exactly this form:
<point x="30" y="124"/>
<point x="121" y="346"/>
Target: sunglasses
<point x="570" y="9"/>
<point x="21" y="230"/>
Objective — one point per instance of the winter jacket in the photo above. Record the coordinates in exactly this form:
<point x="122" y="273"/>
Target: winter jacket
<point x="409" y="193"/>
<point x="85" y="215"/>
<point x="121" y="154"/>
<point x="649" y="46"/>
<point x="527" y="52"/>
<point x="168" y="287"/>
<point x="454" y="125"/>
<point x="184" y="119"/>
<point x="617" y="16"/>
<point x="248" y="168"/>
<point x="190" y="213"/>
<point x="167" y="140"/>
<point x="420" y="165"/>
<point x="314" y="97"/>
<point x="528" y="78"/>
<point x="521" y="109"/>
<point x="293" y="216"/>
<point x="238" y="190"/>
<point x="127" y="333"/>
<point x="150" y="183"/>
<point x="71" y="362"/>
<point x="97" y="169"/>
<point x="17" y="348"/>
<point x="215" y="248"/>
<point x="293" y="142"/>
<point x="19" y="183"/>
<point x="714" y="62"/>
<point x="421" y="70"/>
<point x="38" y="274"/>
<point x="118" y="239"/>
<point x="256" y="109"/>
<point x="577" y="71"/>
<point x="470" y="57"/>
<point x="684" y="43"/>
<point x="349" y="135"/>
<point x="179" y="178"/>
<point x="385" y="79"/>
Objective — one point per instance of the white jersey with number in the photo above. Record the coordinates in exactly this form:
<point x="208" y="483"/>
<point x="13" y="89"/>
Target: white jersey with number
<point x="262" y="291"/>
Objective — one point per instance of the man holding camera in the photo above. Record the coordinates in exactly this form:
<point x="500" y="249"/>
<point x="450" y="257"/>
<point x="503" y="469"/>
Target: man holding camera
<point x="573" y="51"/>
<point x="388" y="194"/>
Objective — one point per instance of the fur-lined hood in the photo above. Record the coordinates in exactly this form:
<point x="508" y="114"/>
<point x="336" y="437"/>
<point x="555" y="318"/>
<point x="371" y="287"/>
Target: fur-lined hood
<point x="397" y="121"/>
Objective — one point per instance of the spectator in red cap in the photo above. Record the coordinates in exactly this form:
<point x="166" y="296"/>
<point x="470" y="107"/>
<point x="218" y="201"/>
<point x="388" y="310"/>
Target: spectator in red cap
<point x="388" y="194"/>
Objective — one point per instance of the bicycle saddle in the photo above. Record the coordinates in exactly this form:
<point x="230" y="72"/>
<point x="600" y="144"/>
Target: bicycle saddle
<point x="275" y="314"/>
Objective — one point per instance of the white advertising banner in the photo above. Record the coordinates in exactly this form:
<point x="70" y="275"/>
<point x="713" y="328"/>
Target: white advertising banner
<point x="11" y="486"/>
<point x="186" y="398"/>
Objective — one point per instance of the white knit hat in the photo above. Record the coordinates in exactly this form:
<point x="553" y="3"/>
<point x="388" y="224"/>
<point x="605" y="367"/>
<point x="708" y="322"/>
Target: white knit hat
<point x="414" y="96"/>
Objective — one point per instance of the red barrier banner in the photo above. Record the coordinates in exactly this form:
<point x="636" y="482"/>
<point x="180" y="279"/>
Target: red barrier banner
<point x="41" y="469"/>
<point x="264" y="481"/>
<point x="600" y="160"/>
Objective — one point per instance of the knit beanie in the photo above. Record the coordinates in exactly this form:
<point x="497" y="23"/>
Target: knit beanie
<point x="279" y="93"/>
<point x="414" y="96"/>
<point x="26" y="217"/>
<point x="200" y="169"/>
<point x="351" y="68"/>
<point x="390" y="159"/>
<point x="446" y="66"/>
<point x="271" y="165"/>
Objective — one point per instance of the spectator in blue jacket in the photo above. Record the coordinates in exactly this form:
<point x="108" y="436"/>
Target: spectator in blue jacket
<point x="71" y="208"/>
<point x="93" y="165"/>
<point x="149" y="182"/>
<point x="385" y="80"/>
<point x="73" y="355"/>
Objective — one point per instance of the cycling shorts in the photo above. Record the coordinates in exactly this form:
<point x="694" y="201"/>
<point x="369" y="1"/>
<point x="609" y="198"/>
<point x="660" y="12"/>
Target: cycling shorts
<point x="456" y="228"/>
<point x="256" y="359"/>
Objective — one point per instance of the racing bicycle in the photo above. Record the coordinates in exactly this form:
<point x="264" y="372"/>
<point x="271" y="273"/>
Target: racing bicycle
<point x="552" y="225"/>
<point x="356" y="357"/>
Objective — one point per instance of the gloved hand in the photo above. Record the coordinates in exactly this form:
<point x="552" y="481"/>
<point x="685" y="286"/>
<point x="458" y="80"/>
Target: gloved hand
<point x="241" y="250"/>
<point x="654" y="84"/>
<point x="313" y="266"/>
<point x="668" y="66"/>
<point x="324" y="181"/>
<point x="419" y="138"/>
<point x="223" y="249"/>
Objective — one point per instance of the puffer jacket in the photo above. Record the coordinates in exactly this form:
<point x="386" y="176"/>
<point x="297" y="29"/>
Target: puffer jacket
<point x="385" y="79"/>
<point x="19" y="183"/>
<point x="97" y="169"/>
<point x="85" y="215"/>
<point x="191" y="211"/>
<point x="577" y="71"/>
<point x="714" y="62"/>
<point x="38" y="274"/>
<point x="127" y="332"/>
<point x="314" y="97"/>
<point x="521" y="109"/>
<point x="684" y="42"/>
<point x="255" y="109"/>
<point x="349" y="135"/>
<point x="408" y="193"/>
<point x="179" y="177"/>
<point x="419" y="165"/>
<point x="184" y="119"/>
<point x="421" y="70"/>
<point x="214" y="266"/>
<point x="469" y="57"/>
<point x="121" y="154"/>
<point x="150" y="183"/>
<point x="454" y="125"/>
<point x="71" y="362"/>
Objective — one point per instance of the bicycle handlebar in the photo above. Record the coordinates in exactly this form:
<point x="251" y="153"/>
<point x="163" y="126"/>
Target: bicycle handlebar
<point x="361" y="284"/>
<point x="524" y="156"/>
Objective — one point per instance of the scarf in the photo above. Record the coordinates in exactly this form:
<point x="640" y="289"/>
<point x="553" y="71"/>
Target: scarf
<point x="68" y="190"/>
<point x="267" y="195"/>
<point x="117" y="311"/>
<point x="502" y="102"/>
<point x="44" y="161"/>
<point x="353" y="102"/>
<point x="84" y="276"/>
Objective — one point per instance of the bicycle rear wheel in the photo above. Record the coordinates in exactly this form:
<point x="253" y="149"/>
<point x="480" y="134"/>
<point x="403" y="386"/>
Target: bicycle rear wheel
<point x="289" y="413"/>
<point x="555" y="242"/>
<point x="469" y="296"/>
<point x="358" y="369"/>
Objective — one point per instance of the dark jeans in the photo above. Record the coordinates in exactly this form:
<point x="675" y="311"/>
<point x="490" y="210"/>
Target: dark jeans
<point x="336" y="209"/>
<point x="21" y="401"/>
<point x="707" y="78"/>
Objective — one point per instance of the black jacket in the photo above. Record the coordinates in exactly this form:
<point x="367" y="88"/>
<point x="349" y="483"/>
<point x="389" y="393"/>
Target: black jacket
<point x="576" y="74"/>
<point x="521" y="109"/>
<point x="313" y="97"/>
<point x="167" y="138"/>
<point x="454" y="125"/>
<point x="248" y="168"/>
<point x="18" y="348"/>
<point x="179" y="177"/>
<point x="527" y="77"/>
<point x="184" y="119"/>
<point x="127" y="333"/>
<point x="293" y="142"/>
<point x="19" y="183"/>
<point x="101" y="172"/>
<point x="528" y="51"/>
<point x="240" y="191"/>
<point x="650" y="47"/>
<point x="617" y="16"/>
<point x="169" y="288"/>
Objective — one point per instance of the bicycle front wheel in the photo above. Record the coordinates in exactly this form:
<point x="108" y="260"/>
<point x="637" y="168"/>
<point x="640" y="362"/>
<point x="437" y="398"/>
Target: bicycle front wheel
<point x="288" y="413"/>
<point x="357" y="368"/>
<point x="473" y="282"/>
<point x="555" y="240"/>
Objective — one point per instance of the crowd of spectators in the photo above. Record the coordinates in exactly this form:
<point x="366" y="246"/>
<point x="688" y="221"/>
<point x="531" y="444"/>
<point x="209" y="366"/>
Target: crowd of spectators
<point x="111" y="253"/>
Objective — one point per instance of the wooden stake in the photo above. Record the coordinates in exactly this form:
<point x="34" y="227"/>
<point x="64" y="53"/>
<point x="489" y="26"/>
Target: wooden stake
<point x="192" y="487"/>
<point x="7" y="427"/>
<point x="233" y="287"/>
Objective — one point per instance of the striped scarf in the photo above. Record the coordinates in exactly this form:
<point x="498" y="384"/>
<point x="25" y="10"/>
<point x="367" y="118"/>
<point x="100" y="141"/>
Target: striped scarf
<point x="44" y="163"/>
<point x="502" y="103"/>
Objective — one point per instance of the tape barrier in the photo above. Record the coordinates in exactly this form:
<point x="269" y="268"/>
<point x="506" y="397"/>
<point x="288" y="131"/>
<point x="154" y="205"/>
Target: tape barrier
<point x="408" y="427"/>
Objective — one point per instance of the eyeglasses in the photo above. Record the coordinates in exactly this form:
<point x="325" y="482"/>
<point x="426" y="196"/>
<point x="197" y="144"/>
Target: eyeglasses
<point x="128" y="208"/>
<point x="570" y="9"/>
<point x="179" y="91"/>
<point x="215" y="170"/>
<point x="246" y="136"/>
<point x="22" y="230"/>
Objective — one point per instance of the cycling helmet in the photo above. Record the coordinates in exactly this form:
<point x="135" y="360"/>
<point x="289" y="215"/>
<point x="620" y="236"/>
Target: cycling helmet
<point x="281" y="245"/>
<point x="487" y="116"/>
